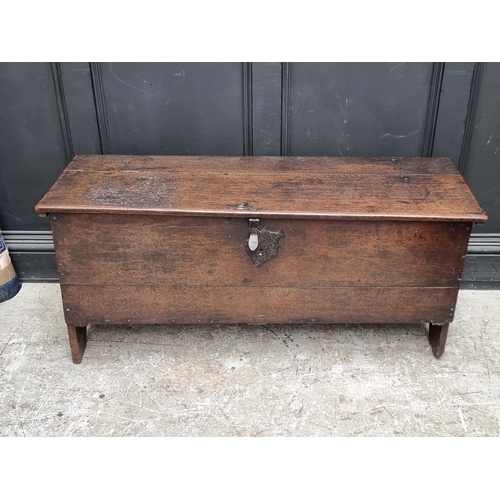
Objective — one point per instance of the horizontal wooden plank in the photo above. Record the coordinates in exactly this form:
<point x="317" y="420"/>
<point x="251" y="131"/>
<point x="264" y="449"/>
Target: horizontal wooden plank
<point x="334" y="195"/>
<point x="189" y="305"/>
<point x="264" y="164"/>
<point x="142" y="250"/>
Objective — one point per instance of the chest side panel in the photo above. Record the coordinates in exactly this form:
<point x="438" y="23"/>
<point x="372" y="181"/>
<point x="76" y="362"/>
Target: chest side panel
<point x="136" y="250"/>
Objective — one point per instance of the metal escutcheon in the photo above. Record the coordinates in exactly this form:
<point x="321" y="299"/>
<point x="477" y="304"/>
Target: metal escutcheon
<point x="262" y="244"/>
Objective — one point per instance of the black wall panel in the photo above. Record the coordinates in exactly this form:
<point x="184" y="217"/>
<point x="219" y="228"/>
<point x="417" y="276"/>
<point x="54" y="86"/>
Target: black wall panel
<point x="80" y="108"/>
<point x="358" y="109"/>
<point x="32" y="148"/>
<point x="266" y="86"/>
<point x="173" y="108"/>
<point x="482" y="170"/>
<point x="51" y="111"/>
<point x="452" y="113"/>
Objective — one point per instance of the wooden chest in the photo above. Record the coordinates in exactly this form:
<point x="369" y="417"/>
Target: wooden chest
<point x="179" y="239"/>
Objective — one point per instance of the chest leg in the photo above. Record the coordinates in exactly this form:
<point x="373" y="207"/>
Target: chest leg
<point x="77" y="342"/>
<point x="437" y="338"/>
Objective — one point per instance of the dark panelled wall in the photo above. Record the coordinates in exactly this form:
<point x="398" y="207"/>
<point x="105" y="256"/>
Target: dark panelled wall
<point x="170" y="109"/>
<point x="51" y="111"/>
<point x="358" y="109"/>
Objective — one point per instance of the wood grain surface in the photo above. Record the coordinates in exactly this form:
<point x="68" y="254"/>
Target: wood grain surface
<point x="425" y="189"/>
<point x="141" y="250"/>
<point x="101" y="304"/>
<point x="264" y="164"/>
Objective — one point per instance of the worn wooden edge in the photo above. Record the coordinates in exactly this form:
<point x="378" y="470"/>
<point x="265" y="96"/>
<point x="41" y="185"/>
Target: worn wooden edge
<point x="108" y="161"/>
<point x="239" y="287"/>
<point x="46" y="210"/>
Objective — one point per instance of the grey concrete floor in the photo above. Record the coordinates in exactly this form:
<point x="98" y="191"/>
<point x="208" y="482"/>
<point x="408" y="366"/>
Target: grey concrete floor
<point x="241" y="380"/>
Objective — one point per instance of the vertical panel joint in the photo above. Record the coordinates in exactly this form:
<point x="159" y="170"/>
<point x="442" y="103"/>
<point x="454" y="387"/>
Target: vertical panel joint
<point x="470" y="117"/>
<point x="285" y="109"/>
<point x="63" y="110"/>
<point x="100" y="106"/>
<point x="247" y="110"/>
<point x="433" y="108"/>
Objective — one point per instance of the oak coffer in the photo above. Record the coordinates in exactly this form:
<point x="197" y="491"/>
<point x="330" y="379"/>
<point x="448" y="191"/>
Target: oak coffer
<point x="194" y="239"/>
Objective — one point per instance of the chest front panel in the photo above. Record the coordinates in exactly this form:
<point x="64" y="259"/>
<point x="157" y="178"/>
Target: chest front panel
<point x="195" y="269"/>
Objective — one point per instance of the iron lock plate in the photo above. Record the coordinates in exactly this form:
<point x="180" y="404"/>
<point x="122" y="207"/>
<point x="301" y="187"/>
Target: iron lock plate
<point x="262" y="244"/>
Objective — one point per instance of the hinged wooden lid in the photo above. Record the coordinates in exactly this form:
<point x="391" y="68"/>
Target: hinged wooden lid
<point x="286" y="187"/>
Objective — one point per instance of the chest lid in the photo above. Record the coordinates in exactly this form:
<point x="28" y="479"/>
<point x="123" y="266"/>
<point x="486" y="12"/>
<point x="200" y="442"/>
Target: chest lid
<point x="386" y="188"/>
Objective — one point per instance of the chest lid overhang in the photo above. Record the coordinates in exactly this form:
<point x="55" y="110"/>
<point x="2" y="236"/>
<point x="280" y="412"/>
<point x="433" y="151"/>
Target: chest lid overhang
<point x="378" y="188"/>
